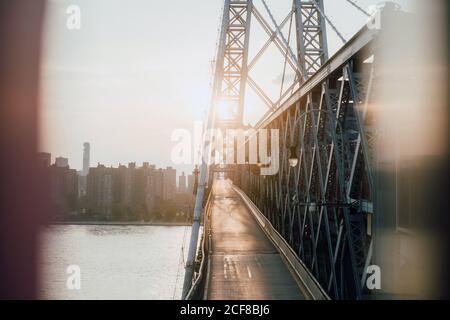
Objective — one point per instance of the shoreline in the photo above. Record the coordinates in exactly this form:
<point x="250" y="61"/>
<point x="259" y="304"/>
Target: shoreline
<point x="118" y="223"/>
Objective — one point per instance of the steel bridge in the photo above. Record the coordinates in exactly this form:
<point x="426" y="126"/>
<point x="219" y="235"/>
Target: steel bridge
<point x="308" y="231"/>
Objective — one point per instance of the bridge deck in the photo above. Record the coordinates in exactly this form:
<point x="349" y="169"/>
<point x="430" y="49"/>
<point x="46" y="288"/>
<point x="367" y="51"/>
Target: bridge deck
<point x="244" y="263"/>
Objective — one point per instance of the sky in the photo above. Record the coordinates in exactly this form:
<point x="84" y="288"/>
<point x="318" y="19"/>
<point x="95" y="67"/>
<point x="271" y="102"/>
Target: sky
<point x="137" y="70"/>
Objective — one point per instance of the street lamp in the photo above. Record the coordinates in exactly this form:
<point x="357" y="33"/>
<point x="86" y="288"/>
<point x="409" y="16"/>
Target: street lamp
<point x="293" y="159"/>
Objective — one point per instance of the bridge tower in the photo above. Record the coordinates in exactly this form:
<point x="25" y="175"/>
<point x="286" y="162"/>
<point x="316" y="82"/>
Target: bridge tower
<point x="231" y="67"/>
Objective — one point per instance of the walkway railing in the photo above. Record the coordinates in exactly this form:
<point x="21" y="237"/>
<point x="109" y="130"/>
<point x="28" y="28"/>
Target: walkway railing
<point x="197" y="289"/>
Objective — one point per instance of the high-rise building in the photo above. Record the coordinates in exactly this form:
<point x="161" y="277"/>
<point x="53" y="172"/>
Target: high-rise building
<point x="86" y="158"/>
<point x="128" y="184"/>
<point x="61" y="162"/>
<point x="170" y="183"/>
<point x="82" y="184"/>
<point x="144" y="190"/>
<point x="158" y="176"/>
<point x="131" y="192"/>
<point x="100" y="190"/>
<point x="182" y="183"/>
<point x="191" y="182"/>
<point x="126" y="192"/>
<point x="63" y="190"/>
<point x="82" y="175"/>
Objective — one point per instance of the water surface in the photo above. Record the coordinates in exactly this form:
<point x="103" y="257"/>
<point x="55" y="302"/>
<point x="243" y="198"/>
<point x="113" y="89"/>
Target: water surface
<point x="116" y="262"/>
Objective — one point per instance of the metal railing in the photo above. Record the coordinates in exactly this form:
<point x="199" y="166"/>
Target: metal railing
<point x="196" y="291"/>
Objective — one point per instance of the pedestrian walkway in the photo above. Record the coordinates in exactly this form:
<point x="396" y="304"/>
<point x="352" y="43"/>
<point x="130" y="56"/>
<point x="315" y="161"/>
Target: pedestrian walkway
<point x="245" y="265"/>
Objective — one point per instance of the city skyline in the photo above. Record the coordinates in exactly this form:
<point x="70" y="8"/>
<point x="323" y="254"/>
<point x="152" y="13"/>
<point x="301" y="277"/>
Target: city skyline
<point x="129" y="192"/>
<point x="62" y="161"/>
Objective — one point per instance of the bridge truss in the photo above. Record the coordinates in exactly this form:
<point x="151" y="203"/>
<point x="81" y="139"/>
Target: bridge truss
<point x="323" y="205"/>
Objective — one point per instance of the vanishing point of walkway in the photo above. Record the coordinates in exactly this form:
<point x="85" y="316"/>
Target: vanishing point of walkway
<point x="244" y="263"/>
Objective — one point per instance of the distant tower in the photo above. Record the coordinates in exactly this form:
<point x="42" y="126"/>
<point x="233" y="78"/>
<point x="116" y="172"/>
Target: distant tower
<point x="86" y="158"/>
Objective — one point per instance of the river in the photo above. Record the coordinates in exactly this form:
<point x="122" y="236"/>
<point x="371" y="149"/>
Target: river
<point x="115" y="262"/>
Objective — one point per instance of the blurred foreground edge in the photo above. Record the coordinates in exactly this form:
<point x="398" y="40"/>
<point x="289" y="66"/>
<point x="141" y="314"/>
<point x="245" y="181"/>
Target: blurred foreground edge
<point x="22" y="203"/>
<point x="412" y="155"/>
